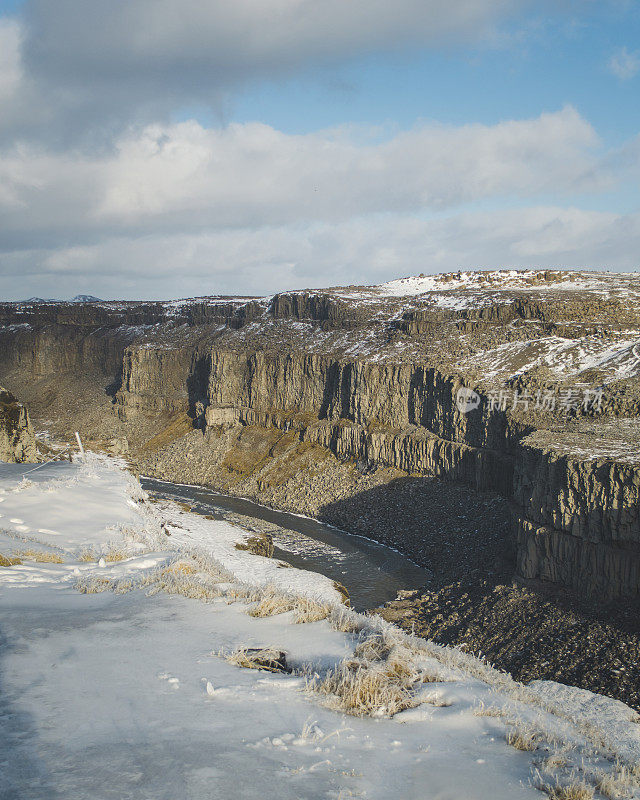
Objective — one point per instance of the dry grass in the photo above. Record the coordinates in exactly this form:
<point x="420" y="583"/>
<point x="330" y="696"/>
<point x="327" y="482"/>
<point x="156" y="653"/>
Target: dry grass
<point x="488" y="711"/>
<point x="237" y="592"/>
<point x="180" y="568"/>
<point x="373" y="648"/>
<point x="310" y="611"/>
<point x="93" y="584"/>
<point x="196" y="577"/>
<point x="40" y="556"/>
<point x="267" y="659"/>
<point x="399" y="665"/>
<point x="618" y="784"/>
<point x="183" y="584"/>
<point x="345" y="620"/>
<point x="271" y="603"/>
<point x="8" y="561"/>
<point x="177" y="427"/>
<point x="554" y="762"/>
<point x="363" y="691"/>
<point x="570" y="791"/>
<point x="524" y="740"/>
<point x="115" y="552"/>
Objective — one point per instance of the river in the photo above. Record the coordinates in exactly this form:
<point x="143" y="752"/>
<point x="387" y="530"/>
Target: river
<point x="372" y="573"/>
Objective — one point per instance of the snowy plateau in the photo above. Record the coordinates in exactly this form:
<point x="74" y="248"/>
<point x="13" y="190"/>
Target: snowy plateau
<point x="125" y="672"/>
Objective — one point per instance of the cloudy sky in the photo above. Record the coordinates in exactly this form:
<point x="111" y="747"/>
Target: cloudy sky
<point x="170" y="148"/>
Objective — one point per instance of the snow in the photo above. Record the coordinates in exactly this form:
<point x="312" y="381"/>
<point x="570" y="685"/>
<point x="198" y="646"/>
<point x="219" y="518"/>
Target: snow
<point x="511" y="279"/>
<point x="127" y="695"/>
<point x="616" y="721"/>
<point x="616" y="358"/>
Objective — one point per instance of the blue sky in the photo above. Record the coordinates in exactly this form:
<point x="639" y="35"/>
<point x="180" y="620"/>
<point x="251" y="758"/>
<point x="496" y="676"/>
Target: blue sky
<point x="178" y="147"/>
<point x="563" y="60"/>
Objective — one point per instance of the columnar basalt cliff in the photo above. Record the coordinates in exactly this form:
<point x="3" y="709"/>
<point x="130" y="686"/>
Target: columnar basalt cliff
<point x="372" y="377"/>
<point x="17" y="439"/>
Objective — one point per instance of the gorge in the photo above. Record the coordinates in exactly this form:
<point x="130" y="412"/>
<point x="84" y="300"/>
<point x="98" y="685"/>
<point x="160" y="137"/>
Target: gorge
<point x="345" y="404"/>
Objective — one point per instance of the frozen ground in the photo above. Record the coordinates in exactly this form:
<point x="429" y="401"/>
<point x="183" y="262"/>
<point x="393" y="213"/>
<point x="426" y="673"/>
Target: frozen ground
<point x="125" y="693"/>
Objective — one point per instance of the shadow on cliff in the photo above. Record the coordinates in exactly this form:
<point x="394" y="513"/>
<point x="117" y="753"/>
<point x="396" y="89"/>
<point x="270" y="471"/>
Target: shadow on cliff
<point x="457" y="532"/>
<point x="197" y="388"/>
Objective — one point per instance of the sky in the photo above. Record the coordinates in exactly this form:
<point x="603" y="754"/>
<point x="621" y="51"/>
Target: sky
<point x="155" y="149"/>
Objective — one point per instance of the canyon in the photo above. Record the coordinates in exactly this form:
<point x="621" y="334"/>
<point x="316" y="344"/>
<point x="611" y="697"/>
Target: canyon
<point x="484" y="424"/>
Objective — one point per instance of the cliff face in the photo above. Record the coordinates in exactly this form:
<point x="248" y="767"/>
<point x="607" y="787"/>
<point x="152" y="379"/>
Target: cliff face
<point x="401" y="416"/>
<point x="374" y="378"/>
<point x="17" y="440"/>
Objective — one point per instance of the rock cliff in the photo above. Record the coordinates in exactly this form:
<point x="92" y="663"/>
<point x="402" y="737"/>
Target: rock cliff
<point x="17" y="440"/>
<point x="521" y="384"/>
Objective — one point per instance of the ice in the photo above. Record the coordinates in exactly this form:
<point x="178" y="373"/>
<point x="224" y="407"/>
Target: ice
<point x="127" y="695"/>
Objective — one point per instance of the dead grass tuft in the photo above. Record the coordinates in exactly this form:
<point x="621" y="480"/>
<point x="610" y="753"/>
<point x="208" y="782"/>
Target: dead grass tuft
<point x="618" y="784"/>
<point x="524" y="740"/>
<point x="93" y="584"/>
<point x="183" y="584"/>
<point x="554" y="762"/>
<point x="363" y="691"/>
<point x="571" y="791"/>
<point x="268" y="659"/>
<point x="8" y="561"/>
<point x="488" y="711"/>
<point x="196" y="577"/>
<point x="345" y="620"/>
<point x="373" y="648"/>
<point x="115" y="552"/>
<point x="399" y="665"/>
<point x="87" y="555"/>
<point x="40" y="556"/>
<point x="310" y="611"/>
<point x="272" y="602"/>
<point x="180" y="568"/>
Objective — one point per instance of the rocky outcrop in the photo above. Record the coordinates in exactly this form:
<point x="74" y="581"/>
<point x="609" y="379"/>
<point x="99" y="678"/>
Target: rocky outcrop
<point x="374" y="381"/>
<point x="17" y="440"/>
<point x="577" y="519"/>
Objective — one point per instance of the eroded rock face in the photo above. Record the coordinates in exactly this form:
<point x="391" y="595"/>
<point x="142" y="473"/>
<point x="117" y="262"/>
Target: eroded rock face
<point x="17" y="440"/>
<point x="372" y="376"/>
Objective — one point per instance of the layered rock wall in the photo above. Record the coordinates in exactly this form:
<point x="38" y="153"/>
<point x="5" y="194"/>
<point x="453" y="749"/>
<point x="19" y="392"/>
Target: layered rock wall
<point x="575" y="518"/>
<point x="17" y="440"/>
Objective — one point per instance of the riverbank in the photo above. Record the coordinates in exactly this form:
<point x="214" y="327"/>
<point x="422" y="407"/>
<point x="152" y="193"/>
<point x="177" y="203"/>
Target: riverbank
<point x="463" y="537"/>
<point x="372" y="573"/>
<point x="128" y="631"/>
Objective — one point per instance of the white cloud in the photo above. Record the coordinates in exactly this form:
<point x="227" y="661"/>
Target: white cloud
<point x="10" y="59"/>
<point x="96" y="67"/>
<point x="186" y="177"/>
<point x="362" y="250"/>
<point x="224" y="38"/>
<point x="99" y="193"/>
<point x="625" y="64"/>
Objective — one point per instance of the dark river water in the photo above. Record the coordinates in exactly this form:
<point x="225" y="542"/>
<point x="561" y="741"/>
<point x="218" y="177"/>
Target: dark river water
<point x="372" y="572"/>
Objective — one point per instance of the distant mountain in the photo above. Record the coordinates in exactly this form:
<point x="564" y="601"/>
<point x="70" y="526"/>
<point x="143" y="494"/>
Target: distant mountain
<point x="41" y="300"/>
<point x="79" y="298"/>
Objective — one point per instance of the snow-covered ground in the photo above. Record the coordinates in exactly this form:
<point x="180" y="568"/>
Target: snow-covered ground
<point x="126" y="692"/>
<point x="535" y="281"/>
